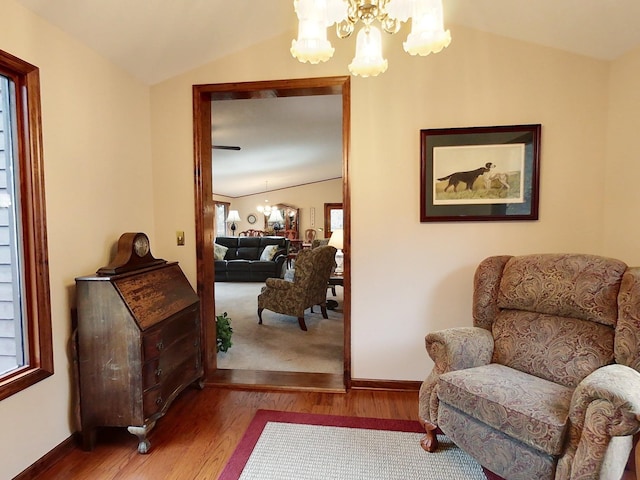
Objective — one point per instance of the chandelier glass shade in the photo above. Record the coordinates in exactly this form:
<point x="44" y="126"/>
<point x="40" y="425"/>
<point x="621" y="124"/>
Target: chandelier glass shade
<point x="314" y="16"/>
<point x="266" y="208"/>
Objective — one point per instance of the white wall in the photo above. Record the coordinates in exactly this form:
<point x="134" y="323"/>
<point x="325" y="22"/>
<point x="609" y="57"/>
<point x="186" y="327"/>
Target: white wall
<point x="97" y="159"/>
<point x="410" y="278"/>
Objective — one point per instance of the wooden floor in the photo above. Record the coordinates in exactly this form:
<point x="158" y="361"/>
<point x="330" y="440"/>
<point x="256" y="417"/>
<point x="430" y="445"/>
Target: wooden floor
<point x="202" y="428"/>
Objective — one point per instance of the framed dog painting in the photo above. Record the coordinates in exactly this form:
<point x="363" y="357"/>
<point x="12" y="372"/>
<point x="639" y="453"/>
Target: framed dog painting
<point x="480" y="173"/>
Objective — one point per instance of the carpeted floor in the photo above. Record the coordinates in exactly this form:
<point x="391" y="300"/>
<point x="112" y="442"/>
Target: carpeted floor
<point x="279" y="344"/>
<point x="298" y="446"/>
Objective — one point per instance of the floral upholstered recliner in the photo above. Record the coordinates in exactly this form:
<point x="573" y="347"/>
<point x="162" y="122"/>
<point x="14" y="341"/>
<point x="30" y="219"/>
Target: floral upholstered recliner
<point x="308" y="288"/>
<point x="545" y="385"/>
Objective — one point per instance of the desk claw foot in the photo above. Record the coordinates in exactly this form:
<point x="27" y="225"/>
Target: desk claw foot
<point x="141" y="432"/>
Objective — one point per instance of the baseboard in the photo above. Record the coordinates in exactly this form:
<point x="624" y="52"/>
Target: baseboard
<point x="275" y="381"/>
<point x="393" y="385"/>
<point x="49" y="459"/>
<point x="297" y="381"/>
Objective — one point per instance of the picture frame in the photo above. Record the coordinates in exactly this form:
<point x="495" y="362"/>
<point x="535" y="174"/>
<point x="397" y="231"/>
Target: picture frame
<point x="480" y="173"/>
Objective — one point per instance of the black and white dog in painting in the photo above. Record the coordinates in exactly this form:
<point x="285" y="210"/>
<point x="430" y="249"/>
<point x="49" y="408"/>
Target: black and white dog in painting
<point x="466" y="177"/>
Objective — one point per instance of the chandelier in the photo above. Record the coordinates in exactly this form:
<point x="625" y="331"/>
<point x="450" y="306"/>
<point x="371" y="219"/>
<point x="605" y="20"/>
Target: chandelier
<point x="266" y="208"/>
<point x="314" y="16"/>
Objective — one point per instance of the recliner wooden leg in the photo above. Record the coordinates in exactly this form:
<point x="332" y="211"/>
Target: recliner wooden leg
<point x="430" y="441"/>
<point x="303" y="325"/>
<point x="260" y="316"/>
<point x="323" y="309"/>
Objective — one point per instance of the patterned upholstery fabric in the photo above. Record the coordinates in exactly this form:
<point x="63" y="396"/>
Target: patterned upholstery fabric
<point x="578" y="286"/>
<point x="605" y="404"/>
<point x="309" y="287"/>
<point x="627" y="342"/>
<point x="559" y="349"/>
<point x="452" y="349"/>
<point x="541" y="387"/>
<point x="498" y="452"/>
<point x="537" y="410"/>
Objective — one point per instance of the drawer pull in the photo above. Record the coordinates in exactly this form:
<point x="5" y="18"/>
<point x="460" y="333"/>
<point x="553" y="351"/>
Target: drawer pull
<point x="160" y="346"/>
<point x="159" y="401"/>
<point x="158" y="372"/>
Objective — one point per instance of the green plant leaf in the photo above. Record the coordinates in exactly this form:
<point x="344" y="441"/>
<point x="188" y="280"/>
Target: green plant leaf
<point x="223" y="333"/>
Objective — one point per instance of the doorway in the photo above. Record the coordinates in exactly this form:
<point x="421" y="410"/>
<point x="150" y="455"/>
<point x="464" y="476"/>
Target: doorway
<point x="203" y="95"/>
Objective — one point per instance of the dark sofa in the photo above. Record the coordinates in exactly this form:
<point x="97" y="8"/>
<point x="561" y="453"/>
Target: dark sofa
<point x="242" y="259"/>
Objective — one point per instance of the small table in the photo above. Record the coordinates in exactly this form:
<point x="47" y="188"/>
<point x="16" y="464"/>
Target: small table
<point x="335" y="280"/>
<point x="291" y="258"/>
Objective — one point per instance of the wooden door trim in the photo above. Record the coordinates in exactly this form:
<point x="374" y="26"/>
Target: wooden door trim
<point x="204" y="205"/>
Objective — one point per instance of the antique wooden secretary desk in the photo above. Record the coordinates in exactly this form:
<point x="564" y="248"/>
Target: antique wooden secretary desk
<point x="138" y="340"/>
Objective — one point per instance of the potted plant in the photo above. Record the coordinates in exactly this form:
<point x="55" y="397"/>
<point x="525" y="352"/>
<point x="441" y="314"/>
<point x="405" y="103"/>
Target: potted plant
<point x="223" y="332"/>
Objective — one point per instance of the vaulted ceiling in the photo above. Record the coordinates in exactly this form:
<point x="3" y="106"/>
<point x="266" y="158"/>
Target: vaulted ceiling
<point x="157" y="39"/>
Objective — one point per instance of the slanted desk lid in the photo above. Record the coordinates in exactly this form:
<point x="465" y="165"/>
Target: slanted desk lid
<point x="157" y="294"/>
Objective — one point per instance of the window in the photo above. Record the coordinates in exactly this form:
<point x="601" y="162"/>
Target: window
<point x="26" y="354"/>
<point x="333" y="218"/>
<point x="221" y="212"/>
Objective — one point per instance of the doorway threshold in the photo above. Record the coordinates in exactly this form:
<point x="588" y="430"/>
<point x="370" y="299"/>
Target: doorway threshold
<point x="271" y="380"/>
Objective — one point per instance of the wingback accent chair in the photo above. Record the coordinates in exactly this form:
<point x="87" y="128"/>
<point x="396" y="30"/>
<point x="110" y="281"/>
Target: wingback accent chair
<point x="308" y="288"/>
<point x="545" y="385"/>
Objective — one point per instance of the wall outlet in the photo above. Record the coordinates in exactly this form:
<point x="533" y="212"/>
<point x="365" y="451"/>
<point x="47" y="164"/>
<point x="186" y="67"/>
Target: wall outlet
<point x="180" y="238"/>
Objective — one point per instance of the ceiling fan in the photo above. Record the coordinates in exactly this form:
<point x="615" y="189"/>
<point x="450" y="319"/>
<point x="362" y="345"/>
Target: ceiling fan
<point x="225" y="147"/>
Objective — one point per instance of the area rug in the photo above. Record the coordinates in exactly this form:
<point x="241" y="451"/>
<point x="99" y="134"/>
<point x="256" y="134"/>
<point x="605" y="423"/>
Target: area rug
<point x="279" y="344"/>
<point x="299" y="446"/>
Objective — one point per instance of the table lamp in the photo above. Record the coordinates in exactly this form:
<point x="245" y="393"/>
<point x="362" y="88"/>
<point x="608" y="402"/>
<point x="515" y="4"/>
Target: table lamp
<point x="336" y="240"/>
<point x="233" y="217"/>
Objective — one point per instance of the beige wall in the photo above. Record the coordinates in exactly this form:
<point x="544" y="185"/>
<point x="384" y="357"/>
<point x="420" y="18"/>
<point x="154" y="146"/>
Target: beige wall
<point x="304" y="197"/>
<point x="408" y="278"/>
<point x="417" y="277"/>
<point x="96" y="137"/>
<point x="622" y="199"/>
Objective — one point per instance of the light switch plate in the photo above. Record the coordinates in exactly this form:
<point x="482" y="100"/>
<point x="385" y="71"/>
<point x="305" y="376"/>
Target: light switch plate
<point x="180" y="238"/>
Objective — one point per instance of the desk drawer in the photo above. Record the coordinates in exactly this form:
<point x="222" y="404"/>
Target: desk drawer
<point x="158" y="369"/>
<point x="158" y="398"/>
<point x="156" y="340"/>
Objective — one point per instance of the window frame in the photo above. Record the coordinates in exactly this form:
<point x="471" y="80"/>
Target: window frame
<point x="328" y="207"/>
<point x="226" y="206"/>
<point x="36" y="293"/>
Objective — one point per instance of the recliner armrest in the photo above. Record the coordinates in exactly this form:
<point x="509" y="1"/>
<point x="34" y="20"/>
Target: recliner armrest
<point x="618" y="385"/>
<point x="605" y="404"/>
<point x="450" y="349"/>
<point x="459" y="348"/>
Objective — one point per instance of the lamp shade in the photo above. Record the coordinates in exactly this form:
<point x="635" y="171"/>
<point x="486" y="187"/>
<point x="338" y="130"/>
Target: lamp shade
<point x="234" y="216"/>
<point x="337" y="238"/>
<point x="427" y="31"/>
<point x="275" y="216"/>
<point x="314" y="16"/>
<point x="368" y="60"/>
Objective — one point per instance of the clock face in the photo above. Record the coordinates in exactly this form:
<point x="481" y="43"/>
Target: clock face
<point x="141" y="245"/>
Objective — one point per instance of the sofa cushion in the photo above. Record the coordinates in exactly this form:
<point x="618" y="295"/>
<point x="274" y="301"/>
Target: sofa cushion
<point x="219" y="251"/>
<point x="528" y="408"/>
<point x="238" y="265"/>
<point x="262" y="266"/>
